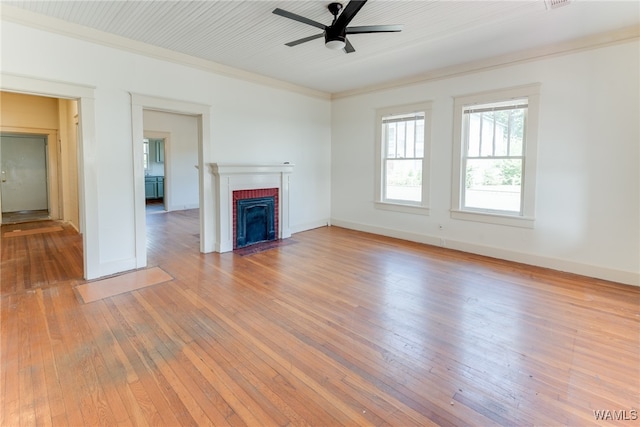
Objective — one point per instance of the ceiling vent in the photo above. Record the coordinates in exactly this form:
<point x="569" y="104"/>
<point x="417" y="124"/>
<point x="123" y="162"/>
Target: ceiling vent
<point x="554" y="4"/>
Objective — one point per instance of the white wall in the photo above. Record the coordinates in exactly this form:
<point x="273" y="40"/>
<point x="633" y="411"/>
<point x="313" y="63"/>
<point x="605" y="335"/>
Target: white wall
<point x="588" y="184"/>
<point x="251" y="123"/>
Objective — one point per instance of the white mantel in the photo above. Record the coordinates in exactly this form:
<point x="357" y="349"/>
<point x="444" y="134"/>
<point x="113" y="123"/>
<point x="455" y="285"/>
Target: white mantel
<point x="230" y="177"/>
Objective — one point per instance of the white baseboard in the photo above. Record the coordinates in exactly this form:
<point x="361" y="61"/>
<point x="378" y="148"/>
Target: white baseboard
<point x="183" y="207"/>
<point x="298" y="228"/>
<point x="620" y="276"/>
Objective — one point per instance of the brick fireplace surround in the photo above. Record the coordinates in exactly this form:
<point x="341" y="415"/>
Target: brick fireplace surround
<point x="251" y="180"/>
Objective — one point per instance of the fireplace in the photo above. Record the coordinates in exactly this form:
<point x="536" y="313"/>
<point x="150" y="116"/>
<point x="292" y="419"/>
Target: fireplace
<point x="264" y="192"/>
<point x="255" y="216"/>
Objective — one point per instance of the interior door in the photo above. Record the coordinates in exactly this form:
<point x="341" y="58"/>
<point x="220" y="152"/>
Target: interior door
<point x="23" y="174"/>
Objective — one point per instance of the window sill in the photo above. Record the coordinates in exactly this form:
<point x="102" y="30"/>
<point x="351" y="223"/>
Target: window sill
<point x="397" y="207"/>
<point x="512" y="221"/>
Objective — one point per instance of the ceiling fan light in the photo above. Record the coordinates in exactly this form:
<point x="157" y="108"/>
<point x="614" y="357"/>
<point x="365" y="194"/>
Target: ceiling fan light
<point x="335" y="44"/>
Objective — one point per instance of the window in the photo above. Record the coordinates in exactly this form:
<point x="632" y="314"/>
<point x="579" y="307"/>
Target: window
<point x="495" y="144"/>
<point x="403" y="158"/>
<point x="145" y="153"/>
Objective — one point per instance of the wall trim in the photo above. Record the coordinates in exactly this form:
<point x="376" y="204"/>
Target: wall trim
<point x="70" y="29"/>
<point x="173" y="208"/>
<point x="299" y="228"/>
<point x="596" y="41"/>
<point x="598" y="272"/>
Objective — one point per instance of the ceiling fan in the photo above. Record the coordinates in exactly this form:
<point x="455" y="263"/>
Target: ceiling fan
<point x="335" y="35"/>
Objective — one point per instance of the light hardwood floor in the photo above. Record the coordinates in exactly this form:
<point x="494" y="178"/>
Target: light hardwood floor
<point x="335" y="328"/>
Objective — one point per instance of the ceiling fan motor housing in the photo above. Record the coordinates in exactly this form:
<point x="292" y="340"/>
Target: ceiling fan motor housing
<point x="335" y="38"/>
<point x="335" y="34"/>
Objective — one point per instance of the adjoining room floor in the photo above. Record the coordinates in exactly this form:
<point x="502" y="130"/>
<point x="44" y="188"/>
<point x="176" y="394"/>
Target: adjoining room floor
<point x="154" y="206"/>
<point x="38" y="254"/>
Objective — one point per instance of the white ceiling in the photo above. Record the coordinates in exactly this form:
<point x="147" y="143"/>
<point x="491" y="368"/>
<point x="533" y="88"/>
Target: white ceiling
<point x="437" y="34"/>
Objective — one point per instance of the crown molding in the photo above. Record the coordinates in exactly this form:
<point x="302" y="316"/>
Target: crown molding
<point x="623" y="35"/>
<point x="69" y="29"/>
<point x="58" y="26"/>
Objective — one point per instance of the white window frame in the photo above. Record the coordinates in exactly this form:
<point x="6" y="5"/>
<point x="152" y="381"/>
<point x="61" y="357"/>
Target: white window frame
<point x="526" y="217"/>
<point x="146" y="156"/>
<point x="422" y="207"/>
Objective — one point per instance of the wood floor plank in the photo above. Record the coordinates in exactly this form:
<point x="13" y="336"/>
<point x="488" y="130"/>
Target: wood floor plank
<point x="10" y="397"/>
<point x="257" y="374"/>
<point x="97" y="398"/>
<point x="158" y="355"/>
<point x="193" y="386"/>
<point x="25" y="372"/>
<point x="52" y="384"/>
<point x="338" y="328"/>
<point x="138" y="409"/>
<point x="142" y="364"/>
<point x="38" y="365"/>
<point x="60" y="316"/>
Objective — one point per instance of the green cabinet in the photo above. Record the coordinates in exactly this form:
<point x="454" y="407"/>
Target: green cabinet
<point x="160" y="187"/>
<point x="154" y="187"/>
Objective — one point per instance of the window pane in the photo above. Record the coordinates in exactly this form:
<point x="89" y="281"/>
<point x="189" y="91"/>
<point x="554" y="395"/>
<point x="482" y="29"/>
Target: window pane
<point x="517" y="131"/>
<point x="410" y="141"/>
<point x="419" y="138"/>
<point x="400" y="138"/>
<point x="486" y="144"/>
<point x="502" y="132"/>
<point x="389" y="131"/>
<point x="493" y="184"/>
<point x="145" y="153"/>
<point x="473" y="134"/>
<point x="404" y="180"/>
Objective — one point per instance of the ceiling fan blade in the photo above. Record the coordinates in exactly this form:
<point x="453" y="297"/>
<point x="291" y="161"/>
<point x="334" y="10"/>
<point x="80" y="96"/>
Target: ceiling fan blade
<point x="349" y="13"/>
<point x="348" y="47"/>
<point x="303" y="40"/>
<point x="299" y="18"/>
<point x="374" y="29"/>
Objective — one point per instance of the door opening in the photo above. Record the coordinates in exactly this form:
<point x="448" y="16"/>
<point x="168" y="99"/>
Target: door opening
<point x="155" y="173"/>
<point x="24" y="187"/>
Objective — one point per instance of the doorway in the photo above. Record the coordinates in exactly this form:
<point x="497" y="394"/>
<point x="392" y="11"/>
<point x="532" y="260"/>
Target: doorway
<point x="23" y="178"/>
<point x="202" y="115"/>
<point x="77" y="103"/>
<point x="156" y="183"/>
